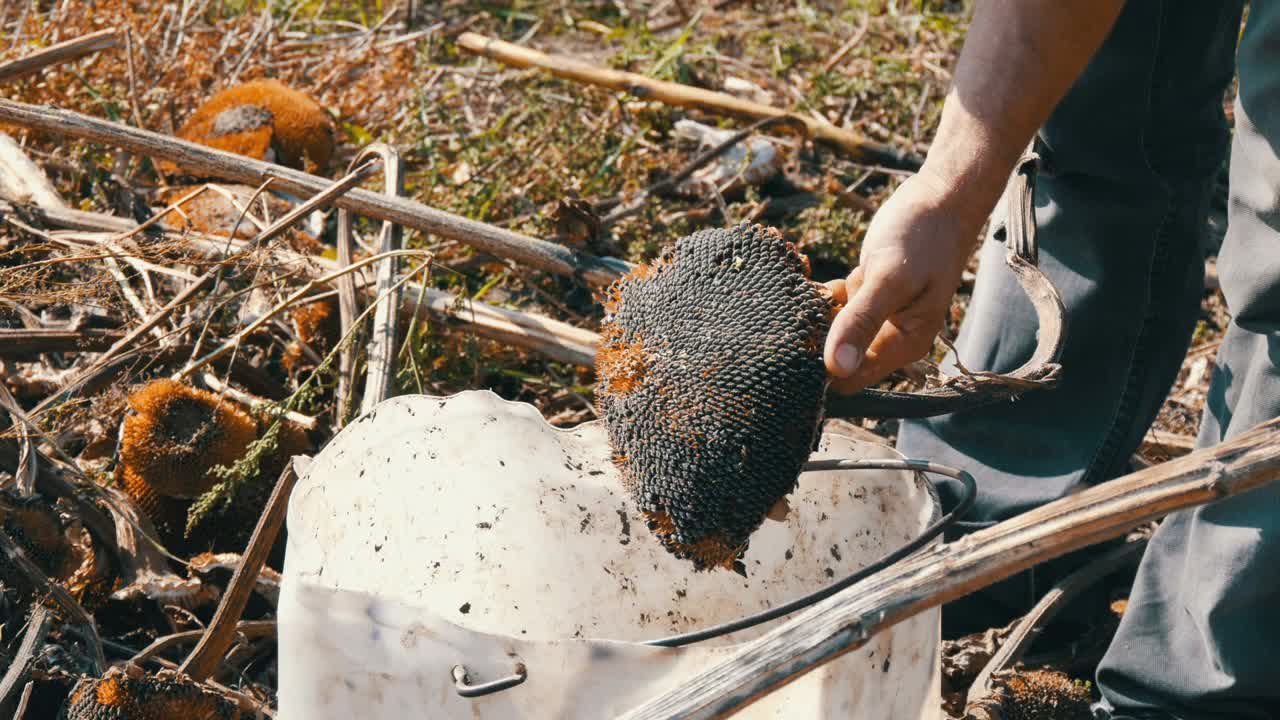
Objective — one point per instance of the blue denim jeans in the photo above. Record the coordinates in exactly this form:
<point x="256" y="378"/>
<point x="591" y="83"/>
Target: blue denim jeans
<point x="1131" y="154"/>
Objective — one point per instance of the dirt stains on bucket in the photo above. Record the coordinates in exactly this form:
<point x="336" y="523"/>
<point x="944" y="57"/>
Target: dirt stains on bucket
<point x="624" y="537"/>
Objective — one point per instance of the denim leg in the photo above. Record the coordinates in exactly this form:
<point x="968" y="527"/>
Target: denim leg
<point x="1130" y="154"/>
<point x="1203" y="622"/>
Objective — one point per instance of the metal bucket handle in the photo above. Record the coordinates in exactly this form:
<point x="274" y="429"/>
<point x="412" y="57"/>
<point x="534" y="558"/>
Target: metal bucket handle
<point x="464" y="688"/>
<point x="462" y="682"/>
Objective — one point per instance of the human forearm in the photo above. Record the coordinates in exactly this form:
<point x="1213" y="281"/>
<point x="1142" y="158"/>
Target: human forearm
<point x="1020" y="58"/>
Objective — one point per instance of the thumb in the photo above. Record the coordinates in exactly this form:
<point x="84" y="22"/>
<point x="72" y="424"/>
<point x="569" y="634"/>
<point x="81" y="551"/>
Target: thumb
<point x="856" y="325"/>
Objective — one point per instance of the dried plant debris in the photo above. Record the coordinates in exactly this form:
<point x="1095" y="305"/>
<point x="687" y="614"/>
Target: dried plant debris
<point x="230" y="210"/>
<point x="1043" y="695"/>
<point x="711" y="383"/>
<point x="317" y="328"/>
<point x="750" y="162"/>
<point x="209" y="564"/>
<point x="963" y="658"/>
<point x="132" y="695"/>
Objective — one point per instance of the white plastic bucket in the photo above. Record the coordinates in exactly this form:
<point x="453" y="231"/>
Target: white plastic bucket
<point x="465" y="531"/>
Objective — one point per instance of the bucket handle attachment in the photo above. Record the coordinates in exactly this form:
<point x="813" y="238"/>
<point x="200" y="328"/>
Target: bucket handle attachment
<point x="462" y="682"/>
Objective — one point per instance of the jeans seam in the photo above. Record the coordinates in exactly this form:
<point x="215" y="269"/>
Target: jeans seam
<point x="1103" y="458"/>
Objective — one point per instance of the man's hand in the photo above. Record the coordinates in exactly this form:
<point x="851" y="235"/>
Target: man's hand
<point x="898" y="297"/>
<point x="1018" y="60"/>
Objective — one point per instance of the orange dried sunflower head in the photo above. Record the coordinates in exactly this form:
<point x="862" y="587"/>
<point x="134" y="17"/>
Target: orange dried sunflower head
<point x="265" y="120"/>
<point x="175" y="436"/>
<point x="711" y="385"/>
<point x="120" y="695"/>
<point x="36" y="528"/>
<point x="1043" y="695"/>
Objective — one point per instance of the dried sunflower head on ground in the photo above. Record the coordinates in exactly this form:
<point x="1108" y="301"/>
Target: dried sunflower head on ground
<point x="1043" y="695"/>
<point x="172" y="443"/>
<point x="711" y="385"/>
<point x="130" y="694"/>
<point x="176" y="435"/>
<point x="35" y="527"/>
<point x="265" y="120"/>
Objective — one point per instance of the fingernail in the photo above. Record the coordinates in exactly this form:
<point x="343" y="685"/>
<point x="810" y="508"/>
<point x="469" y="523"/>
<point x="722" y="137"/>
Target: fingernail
<point x="848" y="358"/>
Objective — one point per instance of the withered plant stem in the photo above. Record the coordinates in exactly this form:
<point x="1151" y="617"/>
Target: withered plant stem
<point x="208" y="161"/>
<point x="20" y="665"/>
<point x="847" y="620"/>
<point x="221" y="632"/>
<point x="856" y="146"/>
<point x="232" y="342"/>
<point x="60" y="53"/>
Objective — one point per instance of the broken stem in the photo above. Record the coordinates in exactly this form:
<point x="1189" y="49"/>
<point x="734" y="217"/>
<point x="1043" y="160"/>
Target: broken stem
<point x="671" y="93"/>
<point x="60" y="53"/>
<point x="208" y="161"/>
<point x="232" y="342"/>
<point x="221" y="632"/>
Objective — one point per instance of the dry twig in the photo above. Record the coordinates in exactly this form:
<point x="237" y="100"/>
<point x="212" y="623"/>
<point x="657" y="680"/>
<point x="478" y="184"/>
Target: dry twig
<point x="845" y="621"/>
<point x="60" y="53"/>
<point x="222" y="629"/>
<point x="382" y="340"/>
<point x="232" y="342"/>
<point x="306" y="422"/>
<point x="569" y="68"/>
<point x="244" y="628"/>
<point x="27" y="341"/>
<point x="848" y="47"/>
<point x="207" y="161"/>
<point x="27" y="470"/>
<point x="37" y="627"/>
<point x="558" y="340"/>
